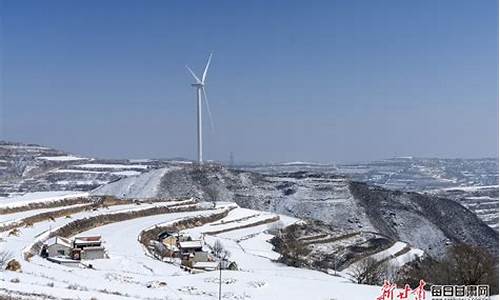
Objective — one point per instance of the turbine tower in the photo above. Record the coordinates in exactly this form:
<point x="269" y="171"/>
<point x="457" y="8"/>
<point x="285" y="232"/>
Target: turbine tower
<point x="200" y="88"/>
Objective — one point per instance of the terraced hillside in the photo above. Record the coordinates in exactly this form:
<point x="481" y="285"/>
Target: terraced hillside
<point x="337" y="223"/>
<point x="423" y="221"/>
<point x="33" y="168"/>
<point x="471" y="182"/>
<point x="313" y="192"/>
<point x="130" y="271"/>
<point x="482" y="200"/>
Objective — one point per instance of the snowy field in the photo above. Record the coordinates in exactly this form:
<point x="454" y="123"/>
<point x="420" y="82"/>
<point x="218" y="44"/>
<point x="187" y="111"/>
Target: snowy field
<point x="62" y="158"/>
<point x="131" y="273"/>
<point x="144" y="186"/>
<point x="38" y="197"/>
<point x="110" y="166"/>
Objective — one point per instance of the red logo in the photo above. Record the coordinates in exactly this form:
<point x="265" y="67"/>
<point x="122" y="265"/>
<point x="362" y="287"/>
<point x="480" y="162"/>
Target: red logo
<point x="389" y="292"/>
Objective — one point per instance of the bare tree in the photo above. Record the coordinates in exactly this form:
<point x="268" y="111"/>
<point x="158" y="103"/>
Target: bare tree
<point x="369" y="271"/>
<point x="462" y="265"/>
<point x="5" y="257"/>
<point x="225" y="254"/>
<point x="19" y="165"/>
<point x="275" y="228"/>
<point x="217" y="249"/>
<point x="471" y="265"/>
<point x="293" y="251"/>
<point x="213" y="195"/>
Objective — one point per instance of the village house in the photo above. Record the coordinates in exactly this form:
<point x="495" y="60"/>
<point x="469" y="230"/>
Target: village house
<point x="228" y="265"/>
<point x="169" y="240"/>
<point x="193" y="258"/>
<point x="192" y="252"/>
<point x="86" y="248"/>
<point x="206" y="265"/>
<point x="89" y="246"/>
<point x="87" y="241"/>
<point x="190" y="247"/>
<point x="93" y="253"/>
<point x="167" y="234"/>
<point x="57" y="246"/>
<point x="214" y="265"/>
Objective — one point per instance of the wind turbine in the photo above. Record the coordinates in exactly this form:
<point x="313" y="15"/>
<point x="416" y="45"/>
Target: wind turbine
<point x="200" y="88"/>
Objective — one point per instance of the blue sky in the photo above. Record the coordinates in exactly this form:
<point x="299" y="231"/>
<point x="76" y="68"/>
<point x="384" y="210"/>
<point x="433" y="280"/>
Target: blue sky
<point x="330" y="81"/>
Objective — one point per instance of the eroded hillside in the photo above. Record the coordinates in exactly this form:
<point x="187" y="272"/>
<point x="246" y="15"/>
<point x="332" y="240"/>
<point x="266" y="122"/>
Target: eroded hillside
<point x="424" y="221"/>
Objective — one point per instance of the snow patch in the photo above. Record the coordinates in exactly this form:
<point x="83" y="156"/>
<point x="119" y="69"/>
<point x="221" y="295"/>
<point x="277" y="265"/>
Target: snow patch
<point x="142" y="186"/>
<point x="62" y="158"/>
<point x="36" y="197"/>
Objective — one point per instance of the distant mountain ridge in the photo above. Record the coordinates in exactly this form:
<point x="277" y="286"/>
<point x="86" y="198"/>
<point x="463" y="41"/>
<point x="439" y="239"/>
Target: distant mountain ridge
<point x="471" y="182"/>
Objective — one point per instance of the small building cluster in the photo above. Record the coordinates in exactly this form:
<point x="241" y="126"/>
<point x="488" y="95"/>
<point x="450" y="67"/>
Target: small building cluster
<point x="70" y="251"/>
<point x="192" y="254"/>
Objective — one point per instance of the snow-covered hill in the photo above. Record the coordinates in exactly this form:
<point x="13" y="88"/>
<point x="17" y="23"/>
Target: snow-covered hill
<point x="131" y="273"/>
<point x="338" y="221"/>
<point x="33" y="168"/>
<point x="423" y="221"/>
<point x="471" y="182"/>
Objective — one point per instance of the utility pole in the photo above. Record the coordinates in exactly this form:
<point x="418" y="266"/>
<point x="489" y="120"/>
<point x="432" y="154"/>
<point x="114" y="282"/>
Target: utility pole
<point x="220" y="279"/>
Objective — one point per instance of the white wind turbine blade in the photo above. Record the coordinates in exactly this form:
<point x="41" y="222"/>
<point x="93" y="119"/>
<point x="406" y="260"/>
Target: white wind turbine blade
<point x="212" y="126"/>
<point x="194" y="75"/>
<point x="206" y="69"/>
